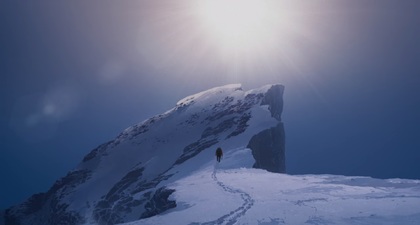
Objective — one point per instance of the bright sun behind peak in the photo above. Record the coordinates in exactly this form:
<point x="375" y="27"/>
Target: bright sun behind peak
<point x="236" y="23"/>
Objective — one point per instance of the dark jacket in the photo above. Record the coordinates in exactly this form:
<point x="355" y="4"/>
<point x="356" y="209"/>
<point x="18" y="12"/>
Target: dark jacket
<point x="219" y="152"/>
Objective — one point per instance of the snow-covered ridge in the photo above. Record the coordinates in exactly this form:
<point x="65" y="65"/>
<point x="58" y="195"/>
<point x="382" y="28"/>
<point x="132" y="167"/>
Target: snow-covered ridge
<point x="212" y="93"/>
<point x="163" y="171"/>
<point x="127" y="178"/>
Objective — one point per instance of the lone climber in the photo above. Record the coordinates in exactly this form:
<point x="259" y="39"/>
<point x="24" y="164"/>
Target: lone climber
<point x="219" y="154"/>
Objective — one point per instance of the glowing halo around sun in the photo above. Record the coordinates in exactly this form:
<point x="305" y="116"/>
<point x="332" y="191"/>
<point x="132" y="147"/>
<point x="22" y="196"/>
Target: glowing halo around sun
<point x="237" y="24"/>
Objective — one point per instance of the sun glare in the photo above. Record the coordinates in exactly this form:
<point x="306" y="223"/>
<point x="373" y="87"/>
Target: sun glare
<point x="237" y="24"/>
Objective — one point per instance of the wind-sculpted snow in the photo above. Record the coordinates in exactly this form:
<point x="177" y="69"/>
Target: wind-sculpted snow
<point x="252" y="196"/>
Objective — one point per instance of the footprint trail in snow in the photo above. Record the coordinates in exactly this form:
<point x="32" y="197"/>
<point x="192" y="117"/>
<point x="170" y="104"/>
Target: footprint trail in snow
<point x="233" y="216"/>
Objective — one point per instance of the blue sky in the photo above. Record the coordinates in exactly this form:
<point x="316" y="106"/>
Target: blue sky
<point x="74" y="74"/>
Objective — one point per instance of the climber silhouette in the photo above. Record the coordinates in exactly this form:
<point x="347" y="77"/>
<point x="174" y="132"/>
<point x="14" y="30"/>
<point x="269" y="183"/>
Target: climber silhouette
<point x="219" y="154"/>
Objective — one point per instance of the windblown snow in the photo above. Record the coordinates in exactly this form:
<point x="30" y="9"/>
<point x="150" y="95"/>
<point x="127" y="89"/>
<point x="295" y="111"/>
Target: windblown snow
<point x="223" y="193"/>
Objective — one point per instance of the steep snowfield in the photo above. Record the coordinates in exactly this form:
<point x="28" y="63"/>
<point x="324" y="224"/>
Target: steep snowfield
<point x="224" y="194"/>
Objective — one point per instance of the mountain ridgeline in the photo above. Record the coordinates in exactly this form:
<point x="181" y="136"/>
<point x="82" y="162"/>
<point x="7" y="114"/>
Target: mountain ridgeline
<point x="126" y="179"/>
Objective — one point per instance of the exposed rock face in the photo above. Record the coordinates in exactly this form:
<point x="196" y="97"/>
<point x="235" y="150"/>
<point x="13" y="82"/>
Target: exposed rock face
<point x="268" y="149"/>
<point x="129" y="177"/>
<point x="268" y="146"/>
<point x="274" y="99"/>
<point x="159" y="203"/>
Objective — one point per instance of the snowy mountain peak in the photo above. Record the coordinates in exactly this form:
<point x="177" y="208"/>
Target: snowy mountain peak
<point x="127" y="179"/>
<point x="163" y="171"/>
<point x="214" y="94"/>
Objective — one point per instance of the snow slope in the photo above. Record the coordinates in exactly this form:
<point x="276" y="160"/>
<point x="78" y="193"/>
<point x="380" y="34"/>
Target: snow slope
<point x="224" y="194"/>
<point x="126" y="178"/>
<point x="163" y="171"/>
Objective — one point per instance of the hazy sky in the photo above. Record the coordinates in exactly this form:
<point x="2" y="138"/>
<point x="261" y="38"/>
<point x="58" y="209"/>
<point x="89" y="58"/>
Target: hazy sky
<point x="76" y="73"/>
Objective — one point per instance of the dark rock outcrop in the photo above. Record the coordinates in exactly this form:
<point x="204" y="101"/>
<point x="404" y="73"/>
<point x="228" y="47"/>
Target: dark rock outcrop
<point x="159" y="203"/>
<point x="274" y="99"/>
<point x="268" y="149"/>
<point x="268" y="146"/>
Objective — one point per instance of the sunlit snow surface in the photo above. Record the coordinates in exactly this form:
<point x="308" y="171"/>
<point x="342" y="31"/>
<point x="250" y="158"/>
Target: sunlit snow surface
<point x="221" y="194"/>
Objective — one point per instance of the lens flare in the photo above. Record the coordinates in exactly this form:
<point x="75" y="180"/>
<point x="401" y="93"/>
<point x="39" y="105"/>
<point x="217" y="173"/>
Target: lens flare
<point x="237" y="24"/>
